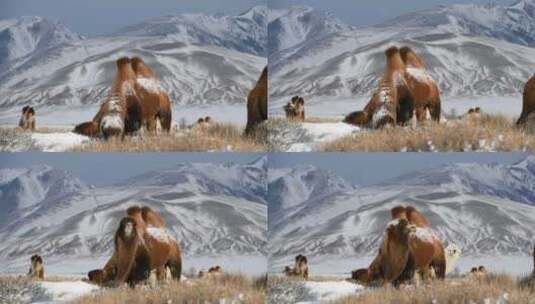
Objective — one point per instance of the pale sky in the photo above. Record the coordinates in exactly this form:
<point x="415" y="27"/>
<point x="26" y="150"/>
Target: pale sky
<point x="108" y="168"/>
<point x="95" y="17"/>
<point x="370" y="12"/>
<point x="373" y="168"/>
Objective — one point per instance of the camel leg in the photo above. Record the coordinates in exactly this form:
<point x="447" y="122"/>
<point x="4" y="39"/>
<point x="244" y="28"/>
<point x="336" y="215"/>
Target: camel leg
<point x="151" y="125"/>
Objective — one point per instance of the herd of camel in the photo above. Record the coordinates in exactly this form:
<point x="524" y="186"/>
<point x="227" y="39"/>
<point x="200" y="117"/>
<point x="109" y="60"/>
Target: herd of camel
<point x="406" y="93"/>
<point x="137" y="101"/>
<point x="410" y="252"/>
<point x="142" y="248"/>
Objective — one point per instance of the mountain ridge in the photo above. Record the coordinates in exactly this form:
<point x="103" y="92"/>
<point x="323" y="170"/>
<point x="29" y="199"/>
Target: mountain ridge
<point x="494" y="217"/>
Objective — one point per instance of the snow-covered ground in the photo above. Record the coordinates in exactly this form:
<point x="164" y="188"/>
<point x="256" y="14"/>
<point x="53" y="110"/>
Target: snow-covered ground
<point x="330" y="290"/>
<point x="307" y="137"/>
<point x="74" y="270"/>
<point x="338" y="108"/>
<point x="341" y="267"/>
<point x="317" y="133"/>
<point x="58" y="142"/>
<point x="78" y="267"/>
<point x="61" y="292"/>
<point x="62" y="120"/>
<point x="68" y="117"/>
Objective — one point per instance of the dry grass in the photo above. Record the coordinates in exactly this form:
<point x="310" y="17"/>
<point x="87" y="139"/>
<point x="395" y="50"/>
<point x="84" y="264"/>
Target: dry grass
<point x="488" y="289"/>
<point x="220" y="137"/>
<point x="217" y="289"/>
<point x="322" y="119"/>
<point x="488" y="133"/>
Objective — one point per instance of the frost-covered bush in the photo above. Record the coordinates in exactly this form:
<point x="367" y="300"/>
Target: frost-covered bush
<point x="284" y="290"/>
<point x="283" y="133"/>
<point x="13" y="140"/>
<point x="20" y="291"/>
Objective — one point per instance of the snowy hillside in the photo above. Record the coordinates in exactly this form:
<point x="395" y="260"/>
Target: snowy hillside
<point x="246" y="32"/>
<point x="514" y="23"/>
<point x="467" y="54"/>
<point x="298" y="188"/>
<point x="216" y="213"/>
<point x="291" y="27"/>
<point x="26" y="35"/>
<point x="200" y="59"/>
<point x="485" y="209"/>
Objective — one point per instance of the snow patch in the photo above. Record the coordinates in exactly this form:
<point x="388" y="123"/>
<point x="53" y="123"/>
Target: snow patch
<point x="150" y="84"/>
<point x="57" y="142"/>
<point x="113" y="121"/>
<point x="128" y="89"/>
<point x="420" y="75"/>
<point x="159" y="233"/>
<point x="67" y="291"/>
<point x="316" y="133"/>
<point x="380" y="114"/>
<point x="424" y="234"/>
<point x="331" y="290"/>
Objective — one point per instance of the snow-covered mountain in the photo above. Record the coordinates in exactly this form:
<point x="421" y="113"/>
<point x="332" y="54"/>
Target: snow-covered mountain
<point x="471" y="50"/>
<point x="246" y="32"/>
<point x="290" y="27"/>
<point x="292" y="190"/>
<point x="26" y="35"/>
<point x="200" y="59"/>
<point x="514" y="23"/>
<point x="485" y="209"/>
<point x="209" y="208"/>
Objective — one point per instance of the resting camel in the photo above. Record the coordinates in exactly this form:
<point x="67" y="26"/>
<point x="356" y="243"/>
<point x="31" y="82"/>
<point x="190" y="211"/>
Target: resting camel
<point x="141" y="246"/>
<point x="408" y="246"/>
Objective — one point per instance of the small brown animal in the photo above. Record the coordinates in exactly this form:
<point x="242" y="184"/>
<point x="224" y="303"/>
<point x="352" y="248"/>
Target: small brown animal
<point x="300" y="268"/>
<point x="215" y="269"/>
<point x="478" y="271"/>
<point x="27" y="119"/>
<point x="476" y="110"/>
<point x="295" y="109"/>
<point x="37" y="270"/>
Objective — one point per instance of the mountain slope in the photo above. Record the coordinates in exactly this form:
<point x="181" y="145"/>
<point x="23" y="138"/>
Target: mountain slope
<point x="467" y="57"/>
<point x="467" y="204"/>
<point x="26" y="35"/>
<point x="199" y="59"/>
<point x="243" y="33"/>
<point x="206" y="214"/>
<point x="514" y="23"/>
<point x="291" y="27"/>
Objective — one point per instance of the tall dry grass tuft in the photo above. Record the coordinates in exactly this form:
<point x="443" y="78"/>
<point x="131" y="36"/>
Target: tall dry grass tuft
<point x="219" y="137"/>
<point x="492" y="288"/>
<point x="227" y="288"/>
<point x="487" y="133"/>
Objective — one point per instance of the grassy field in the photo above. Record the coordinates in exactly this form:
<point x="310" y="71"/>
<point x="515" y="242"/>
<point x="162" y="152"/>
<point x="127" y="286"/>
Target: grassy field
<point x="215" y="138"/>
<point x="486" y="133"/>
<point x="226" y="288"/>
<point x="219" y="137"/>
<point x="492" y="288"/>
